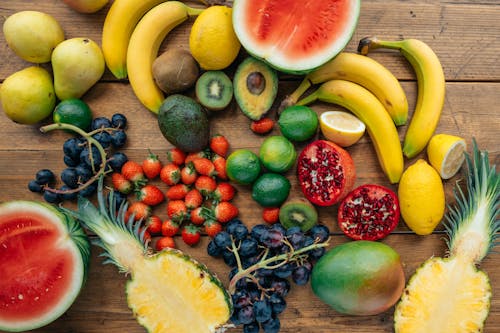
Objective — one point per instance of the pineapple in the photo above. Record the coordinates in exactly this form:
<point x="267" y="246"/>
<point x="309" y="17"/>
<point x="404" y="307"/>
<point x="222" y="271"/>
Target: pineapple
<point x="450" y="295"/>
<point x="167" y="291"/>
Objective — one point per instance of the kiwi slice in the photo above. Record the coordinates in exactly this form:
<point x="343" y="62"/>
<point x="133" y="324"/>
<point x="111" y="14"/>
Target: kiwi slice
<point x="298" y="213"/>
<point x="214" y="90"/>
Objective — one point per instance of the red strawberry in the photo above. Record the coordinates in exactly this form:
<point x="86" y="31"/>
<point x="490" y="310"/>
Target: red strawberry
<point x="271" y="214"/>
<point x="176" y="210"/>
<point x="140" y="210"/>
<point x="151" y="166"/>
<point x="212" y="227"/>
<point x="169" y="228"/>
<point x="193" y="156"/>
<point x="121" y="184"/>
<point x="223" y="192"/>
<point x="205" y="185"/>
<point x="177" y="192"/>
<point x="219" y="145"/>
<point x="153" y="224"/>
<point x="176" y="156"/>
<point x="220" y="166"/>
<point x="151" y="195"/>
<point x="132" y="171"/>
<point x="196" y="216"/>
<point x="204" y="166"/>
<point x="170" y="174"/>
<point x="190" y="234"/>
<point x="223" y="212"/>
<point x="262" y="126"/>
<point x="188" y="174"/>
<point x="165" y="242"/>
<point x="193" y="199"/>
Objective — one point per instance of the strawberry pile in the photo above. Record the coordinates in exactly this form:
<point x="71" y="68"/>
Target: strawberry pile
<point x="194" y="186"/>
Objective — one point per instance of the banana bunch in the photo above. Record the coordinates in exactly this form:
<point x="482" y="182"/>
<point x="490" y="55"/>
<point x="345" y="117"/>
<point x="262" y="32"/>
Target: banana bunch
<point x="431" y="89"/>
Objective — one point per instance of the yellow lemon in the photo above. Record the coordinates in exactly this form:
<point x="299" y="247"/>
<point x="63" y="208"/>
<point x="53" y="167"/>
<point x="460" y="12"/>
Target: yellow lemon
<point x="212" y="40"/>
<point x="421" y="197"/>
<point x="446" y="154"/>
<point x="342" y="128"/>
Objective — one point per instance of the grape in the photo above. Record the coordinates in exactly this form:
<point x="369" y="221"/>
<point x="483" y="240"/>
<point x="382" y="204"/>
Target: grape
<point x="246" y="315"/>
<point x="248" y="247"/>
<point x="284" y="271"/>
<point x="100" y="122"/>
<point x="272" y="238"/>
<point x="34" y="186"/>
<point x="280" y="287"/>
<point x="232" y="224"/>
<point x="69" y="176"/>
<point x="117" y="160"/>
<point x="67" y="196"/>
<point x="213" y="250"/>
<point x="251" y="328"/>
<point x="239" y="232"/>
<point x="229" y="258"/>
<point x="72" y="148"/>
<point x="300" y="275"/>
<point x="278" y="303"/>
<point x="44" y="177"/>
<point x="223" y="240"/>
<point x="241" y="298"/>
<point x="273" y="325"/>
<point x="51" y="197"/>
<point x="258" y="231"/>
<point x="118" y="139"/>
<point x="119" y="120"/>
<point x="320" y="233"/>
<point x="262" y="310"/>
<point x="104" y="138"/>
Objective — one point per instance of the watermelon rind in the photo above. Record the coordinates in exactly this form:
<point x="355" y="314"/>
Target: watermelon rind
<point x="73" y="238"/>
<point x="275" y="56"/>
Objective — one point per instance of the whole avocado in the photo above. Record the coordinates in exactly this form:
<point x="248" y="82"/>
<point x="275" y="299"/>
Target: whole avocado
<point x="184" y="123"/>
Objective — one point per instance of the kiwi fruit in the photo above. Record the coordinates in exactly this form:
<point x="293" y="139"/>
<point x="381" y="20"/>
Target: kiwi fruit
<point x="214" y="90"/>
<point x="175" y="70"/>
<point x="298" y="213"/>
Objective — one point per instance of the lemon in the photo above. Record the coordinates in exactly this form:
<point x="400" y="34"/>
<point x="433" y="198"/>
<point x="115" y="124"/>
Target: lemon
<point x="342" y="128"/>
<point x="212" y="40"/>
<point x="446" y="154"/>
<point x="421" y="197"/>
<point x="277" y="154"/>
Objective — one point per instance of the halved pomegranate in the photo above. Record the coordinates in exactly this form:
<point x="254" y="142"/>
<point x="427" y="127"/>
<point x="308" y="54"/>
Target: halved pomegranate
<point x="369" y="212"/>
<point x="326" y="172"/>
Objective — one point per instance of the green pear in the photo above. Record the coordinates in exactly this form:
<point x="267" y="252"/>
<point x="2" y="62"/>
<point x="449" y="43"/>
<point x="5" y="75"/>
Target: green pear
<point x="28" y="96"/>
<point x="77" y="63"/>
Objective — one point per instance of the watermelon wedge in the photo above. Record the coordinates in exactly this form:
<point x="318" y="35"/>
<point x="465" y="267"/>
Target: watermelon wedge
<point x="44" y="256"/>
<point x="295" y="36"/>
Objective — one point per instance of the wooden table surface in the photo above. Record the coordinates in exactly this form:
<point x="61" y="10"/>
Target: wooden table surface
<point x="464" y="34"/>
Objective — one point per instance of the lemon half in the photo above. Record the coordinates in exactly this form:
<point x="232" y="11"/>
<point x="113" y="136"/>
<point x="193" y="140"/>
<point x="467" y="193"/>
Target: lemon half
<point x="342" y="128"/>
<point x="446" y="154"/>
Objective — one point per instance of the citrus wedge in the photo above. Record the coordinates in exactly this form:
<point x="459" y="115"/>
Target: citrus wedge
<point x="342" y="128"/>
<point x="446" y="154"/>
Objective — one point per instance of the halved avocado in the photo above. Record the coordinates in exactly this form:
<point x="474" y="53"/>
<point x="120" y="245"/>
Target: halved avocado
<point x="255" y="87"/>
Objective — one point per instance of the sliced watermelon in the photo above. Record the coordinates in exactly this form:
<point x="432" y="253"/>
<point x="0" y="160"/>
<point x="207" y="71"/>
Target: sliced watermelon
<point x="44" y="256"/>
<point x="295" y="36"/>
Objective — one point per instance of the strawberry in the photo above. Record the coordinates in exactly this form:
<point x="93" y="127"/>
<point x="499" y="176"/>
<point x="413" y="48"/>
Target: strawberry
<point x="151" y="166"/>
<point x="121" y="184"/>
<point x="271" y="214"/>
<point x="176" y="156"/>
<point x="193" y="199"/>
<point x="154" y="224"/>
<point x="193" y="156"/>
<point x="205" y="185"/>
<point x="223" y="212"/>
<point x="188" y="174"/>
<point x="219" y="145"/>
<point x="223" y="192"/>
<point x="140" y="210"/>
<point x="176" y="210"/>
<point x="177" y="192"/>
<point x="212" y="227"/>
<point x="196" y="216"/>
<point x="204" y="166"/>
<point x="220" y="166"/>
<point x="165" y="242"/>
<point x="191" y="234"/>
<point x="262" y="126"/>
<point x="170" y="174"/>
<point x="132" y="171"/>
<point x="151" y="195"/>
<point x="169" y="228"/>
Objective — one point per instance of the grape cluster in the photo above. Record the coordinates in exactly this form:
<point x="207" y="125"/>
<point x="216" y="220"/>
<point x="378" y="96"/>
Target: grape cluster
<point x="83" y="160"/>
<point x="263" y="260"/>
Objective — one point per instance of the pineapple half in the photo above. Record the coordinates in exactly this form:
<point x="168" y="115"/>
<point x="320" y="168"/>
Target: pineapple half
<point x="450" y="295"/>
<point x="168" y="292"/>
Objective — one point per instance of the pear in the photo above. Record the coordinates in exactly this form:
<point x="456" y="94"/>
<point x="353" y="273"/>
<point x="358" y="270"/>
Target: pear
<point x="28" y="96"/>
<point x="77" y="63"/>
<point x="86" y="6"/>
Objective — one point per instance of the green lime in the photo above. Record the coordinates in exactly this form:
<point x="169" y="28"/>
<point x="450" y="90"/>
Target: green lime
<point x="74" y="112"/>
<point x="277" y="154"/>
<point x="243" y="166"/>
<point x="298" y="123"/>
<point x="271" y="189"/>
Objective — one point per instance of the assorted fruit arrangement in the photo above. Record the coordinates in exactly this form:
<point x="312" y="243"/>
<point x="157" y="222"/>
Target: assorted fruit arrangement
<point x="194" y="186"/>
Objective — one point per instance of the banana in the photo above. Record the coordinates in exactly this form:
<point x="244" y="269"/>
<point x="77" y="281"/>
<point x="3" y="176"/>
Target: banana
<point x="366" y="72"/>
<point x="365" y="105"/>
<point x="119" y="23"/>
<point x="431" y="89"/>
<point x="144" y="45"/>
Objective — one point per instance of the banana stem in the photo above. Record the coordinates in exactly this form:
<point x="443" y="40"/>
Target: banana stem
<point x="309" y="98"/>
<point x="371" y="43"/>
<point x="194" y="11"/>
<point x="294" y="96"/>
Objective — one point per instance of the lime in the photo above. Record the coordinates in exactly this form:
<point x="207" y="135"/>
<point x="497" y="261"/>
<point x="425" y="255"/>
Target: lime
<point x="243" y="166"/>
<point x="75" y="112"/>
<point x="298" y="123"/>
<point x="342" y="128"/>
<point x="277" y="154"/>
<point x="446" y="154"/>
<point x="271" y="189"/>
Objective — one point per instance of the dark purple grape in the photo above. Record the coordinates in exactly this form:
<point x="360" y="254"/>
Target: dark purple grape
<point x="248" y="247"/>
<point x="278" y="303"/>
<point x="69" y="176"/>
<point x="300" y="275"/>
<point x="258" y="231"/>
<point x="229" y="258"/>
<point x="33" y="186"/>
<point x="320" y="233"/>
<point x="95" y="160"/>
<point x="272" y="238"/>
<point x="246" y="315"/>
<point x="262" y="310"/>
<point x="273" y="325"/>
<point x="67" y="196"/>
<point x="84" y="172"/>
<point x="70" y="162"/>
<point x="249" y="261"/>
<point x="296" y="237"/>
<point x="239" y="232"/>
<point x="232" y="224"/>
<point x="279" y="227"/>
<point x="100" y="122"/>
<point x="223" y="240"/>
<point x="118" y="139"/>
<point x="117" y="160"/>
<point x="89" y="190"/>
<point x="119" y="120"/>
<point x="280" y="287"/>
<point x="251" y="328"/>
<point x="241" y="298"/>
<point x="213" y="250"/>
<point x="284" y="270"/>
<point x="72" y="148"/>
<point x="45" y="176"/>
<point x="104" y="138"/>
<point x="51" y="197"/>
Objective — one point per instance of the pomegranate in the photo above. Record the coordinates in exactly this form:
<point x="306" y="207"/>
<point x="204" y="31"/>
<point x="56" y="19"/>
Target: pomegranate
<point x="326" y="172"/>
<point x="369" y="212"/>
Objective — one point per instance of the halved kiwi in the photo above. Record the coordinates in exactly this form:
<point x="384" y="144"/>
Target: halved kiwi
<point x="298" y="213"/>
<point x="214" y="90"/>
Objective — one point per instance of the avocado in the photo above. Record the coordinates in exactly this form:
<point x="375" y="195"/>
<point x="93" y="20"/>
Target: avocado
<point x="255" y="87"/>
<point x="184" y="123"/>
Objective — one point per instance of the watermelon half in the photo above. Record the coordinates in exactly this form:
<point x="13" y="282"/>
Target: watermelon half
<point x="295" y="36"/>
<point x="44" y="256"/>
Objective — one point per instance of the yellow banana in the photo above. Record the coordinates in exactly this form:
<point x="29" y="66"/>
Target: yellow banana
<point x="119" y="23"/>
<point x="144" y="46"/>
<point x="431" y="89"/>
<point x="382" y="130"/>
